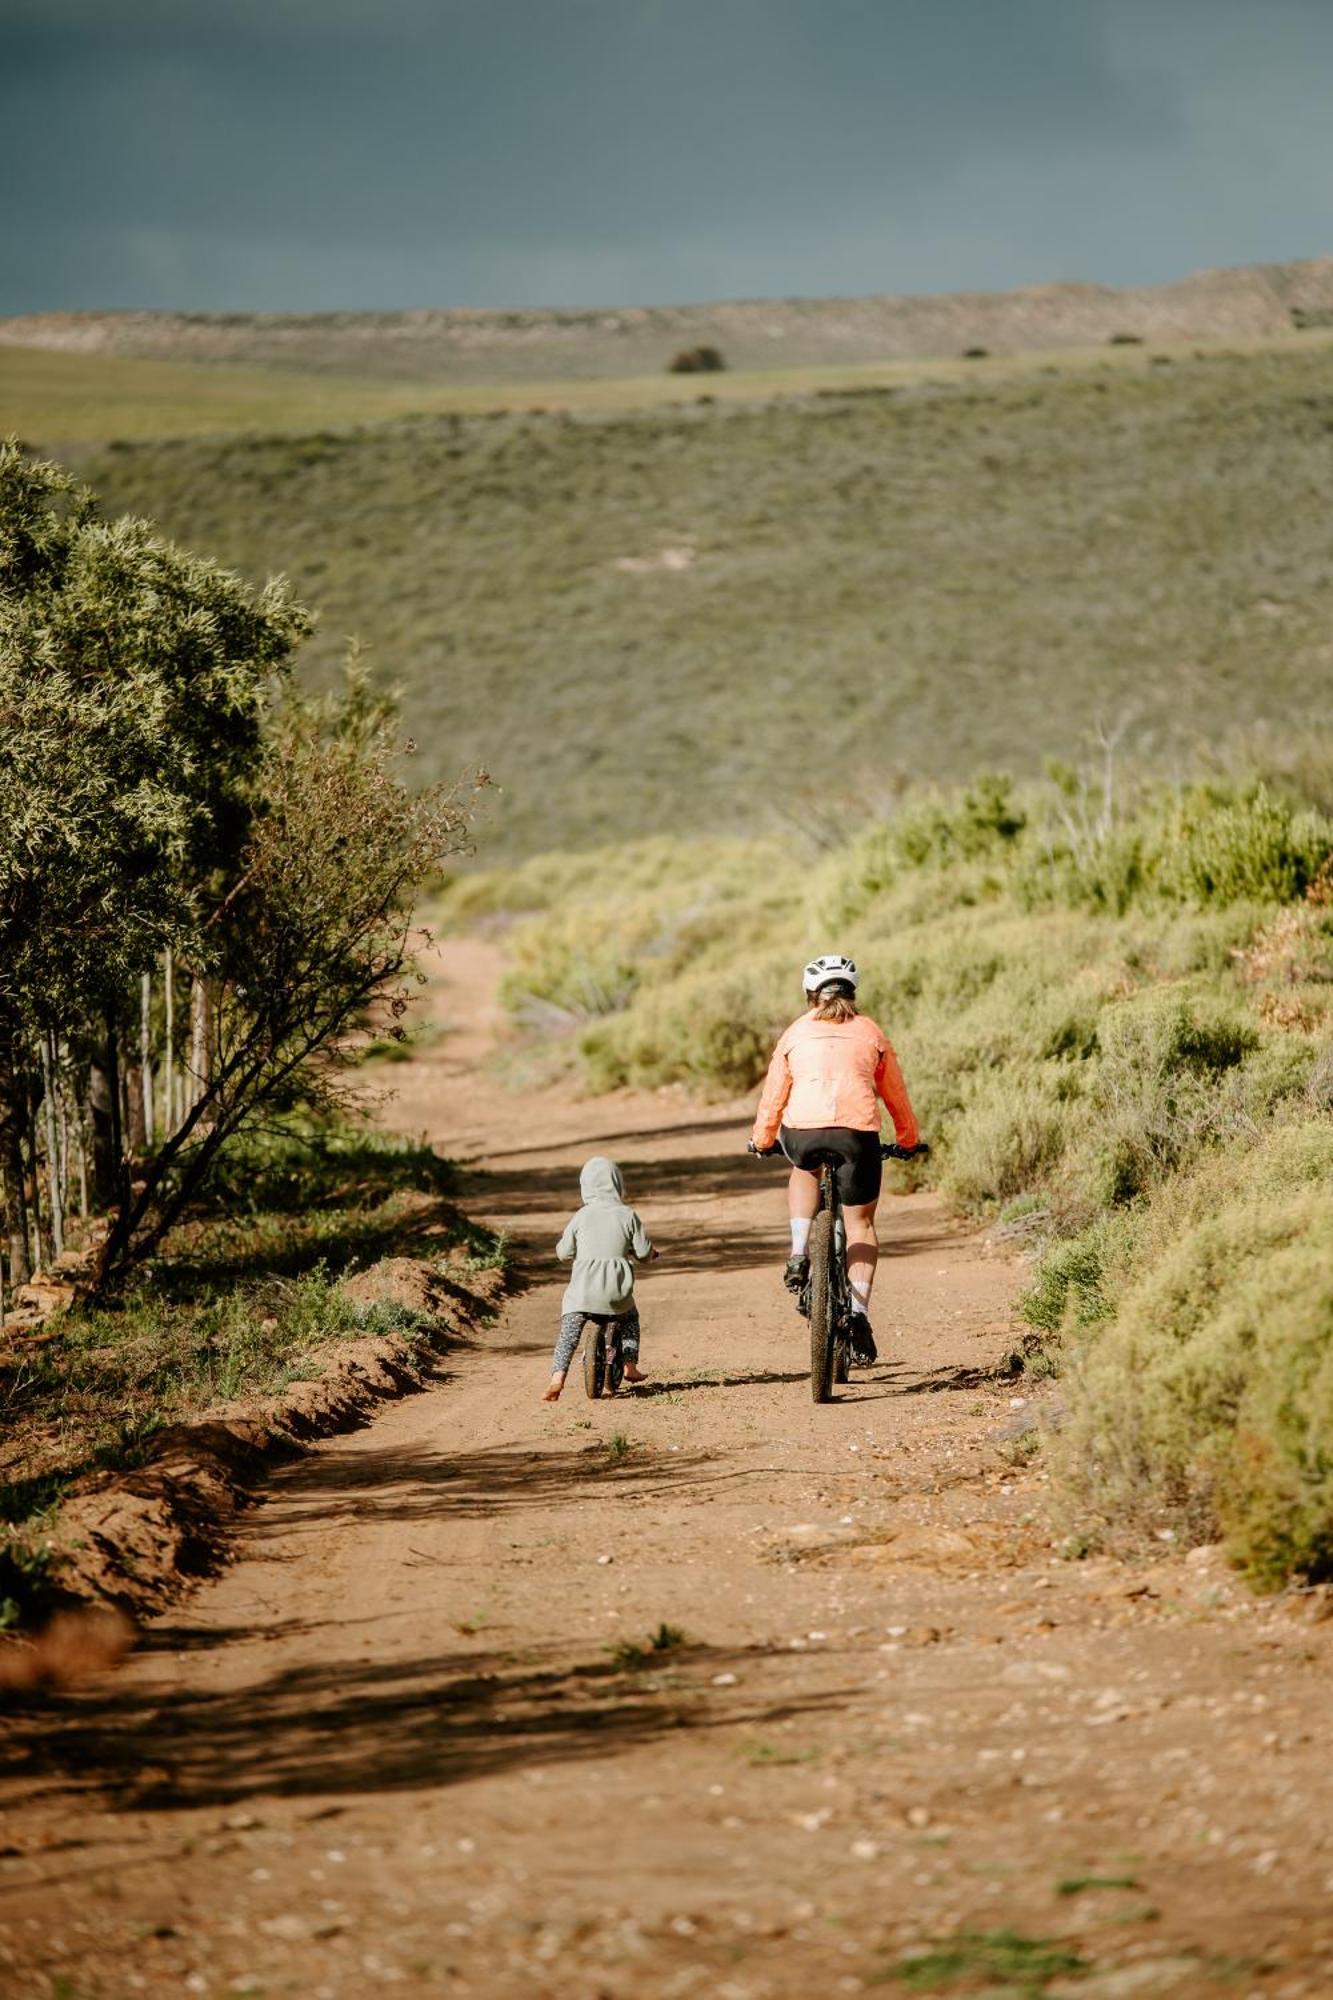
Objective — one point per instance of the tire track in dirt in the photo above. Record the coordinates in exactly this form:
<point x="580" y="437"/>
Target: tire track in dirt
<point x="417" y="1732"/>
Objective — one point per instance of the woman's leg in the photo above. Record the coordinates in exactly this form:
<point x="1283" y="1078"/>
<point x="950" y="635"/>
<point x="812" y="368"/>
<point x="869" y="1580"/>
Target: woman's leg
<point x="862" y="1252"/>
<point x="802" y="1207"/>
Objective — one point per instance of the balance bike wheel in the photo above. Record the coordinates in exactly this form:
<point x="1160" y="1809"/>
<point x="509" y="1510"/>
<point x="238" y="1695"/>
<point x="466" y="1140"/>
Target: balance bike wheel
<point x="594" y="1360"/>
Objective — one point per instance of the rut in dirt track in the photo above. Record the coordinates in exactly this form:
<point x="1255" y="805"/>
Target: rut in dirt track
<point x="419" y="1730"/>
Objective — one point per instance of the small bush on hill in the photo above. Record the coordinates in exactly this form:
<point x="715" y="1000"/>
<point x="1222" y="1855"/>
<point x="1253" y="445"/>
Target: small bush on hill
<point x="696" y="361"/>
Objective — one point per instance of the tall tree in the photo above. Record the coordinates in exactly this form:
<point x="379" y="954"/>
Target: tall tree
<point x="135" y="681"/>
<point x="169" y="799"/>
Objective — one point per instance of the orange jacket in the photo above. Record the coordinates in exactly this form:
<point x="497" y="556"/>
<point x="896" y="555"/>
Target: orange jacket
<point x="833" y="1073"/>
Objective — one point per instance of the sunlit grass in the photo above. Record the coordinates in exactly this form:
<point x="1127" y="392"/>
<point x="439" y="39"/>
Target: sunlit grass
<point x="58" y="398"/>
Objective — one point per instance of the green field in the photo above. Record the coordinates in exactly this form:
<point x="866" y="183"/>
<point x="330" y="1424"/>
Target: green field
<point x="64" y="400"/>
<point x="694" y="618"/>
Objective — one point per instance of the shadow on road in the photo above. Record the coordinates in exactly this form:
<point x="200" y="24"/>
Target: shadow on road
<point x="533" y="1190"/>
<point x="936" y="1380"/>
<point x="378" y="1726"/>
<point x="598" y="1142"/>
<point x="422" y="1485"/>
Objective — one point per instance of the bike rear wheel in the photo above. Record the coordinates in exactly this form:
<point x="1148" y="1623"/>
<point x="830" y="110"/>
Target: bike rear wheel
<point x="822" y="1340"/>
<point x="594" y="1360"/>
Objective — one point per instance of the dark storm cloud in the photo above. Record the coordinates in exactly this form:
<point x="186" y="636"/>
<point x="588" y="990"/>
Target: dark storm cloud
<point x="319" y="152"/>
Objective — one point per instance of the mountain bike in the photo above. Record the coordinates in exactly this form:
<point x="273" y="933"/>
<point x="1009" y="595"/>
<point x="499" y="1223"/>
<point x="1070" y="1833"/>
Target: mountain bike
<point x="826" y="1298"/>
<point x="603" y="1357"/>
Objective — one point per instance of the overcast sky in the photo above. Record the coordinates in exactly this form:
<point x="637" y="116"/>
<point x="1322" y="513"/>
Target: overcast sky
<point x="313" y="154"/>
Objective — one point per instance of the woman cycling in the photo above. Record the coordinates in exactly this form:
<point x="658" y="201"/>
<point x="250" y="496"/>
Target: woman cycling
<point x="830" y="1072"/>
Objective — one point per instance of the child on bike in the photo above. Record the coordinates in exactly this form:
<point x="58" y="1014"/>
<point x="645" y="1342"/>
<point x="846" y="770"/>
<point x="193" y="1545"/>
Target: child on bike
<point x="603" y="1240"/>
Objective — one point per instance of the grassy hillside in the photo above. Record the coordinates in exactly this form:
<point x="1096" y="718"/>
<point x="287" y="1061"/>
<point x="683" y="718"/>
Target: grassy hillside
<point x="523" y="344"/>
<point x="694" y="619"/>
<point x="56" y="400"/>
<point x="70" y="401"/>
<point x="1117" y="1029"/>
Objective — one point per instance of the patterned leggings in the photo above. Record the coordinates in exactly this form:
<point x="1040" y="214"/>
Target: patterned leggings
<point x="571" y="1329"/>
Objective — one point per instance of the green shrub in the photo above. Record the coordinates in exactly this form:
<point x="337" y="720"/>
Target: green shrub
<point x="627" y="872"/>
<point x="858" y="875"/>
<point x="1009" y="1135"/>
<point x="564" y="964"/>
<point x="1079" y="1279"/>
<point x="713" y="1029"/>
<point x="1155" y="1088"/>
<point x="1106" y="874"/>
<point x="1209" y="1399"/>
<point x="965" y="834"/>
<point x="1275" y="1073"/>
<point x="1068" y="1292"/>
<point x="1219" y="846"/>
<point x="245" y="1337"/>
<point x="984" y="820"/>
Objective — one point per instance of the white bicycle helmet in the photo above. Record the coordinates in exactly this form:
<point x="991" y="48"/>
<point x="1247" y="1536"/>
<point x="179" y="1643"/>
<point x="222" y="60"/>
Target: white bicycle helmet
<point x="830" y="967"/>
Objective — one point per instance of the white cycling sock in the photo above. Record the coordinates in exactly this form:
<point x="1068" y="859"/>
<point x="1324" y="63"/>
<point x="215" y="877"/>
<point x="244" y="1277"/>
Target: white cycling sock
<point x="800" y="1234"/>
<point x="861" y="1294"/>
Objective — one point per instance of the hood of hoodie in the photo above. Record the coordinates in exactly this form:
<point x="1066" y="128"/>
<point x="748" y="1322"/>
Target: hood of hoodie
<point x="600" y="1181"/>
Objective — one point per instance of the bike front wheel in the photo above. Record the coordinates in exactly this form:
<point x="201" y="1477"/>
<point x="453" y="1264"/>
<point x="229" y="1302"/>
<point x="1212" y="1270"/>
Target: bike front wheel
<point x="822" y="1342"/>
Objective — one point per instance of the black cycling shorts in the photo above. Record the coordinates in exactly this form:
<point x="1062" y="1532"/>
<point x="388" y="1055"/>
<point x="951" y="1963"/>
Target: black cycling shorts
<point x="860" y="1168"/>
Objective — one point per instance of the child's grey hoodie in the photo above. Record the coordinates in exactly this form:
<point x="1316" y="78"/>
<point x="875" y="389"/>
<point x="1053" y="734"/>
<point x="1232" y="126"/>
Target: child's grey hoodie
<point x="602" y="1238"/>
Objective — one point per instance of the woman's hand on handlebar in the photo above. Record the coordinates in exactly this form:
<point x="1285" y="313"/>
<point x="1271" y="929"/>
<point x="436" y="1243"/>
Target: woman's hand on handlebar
<point x="763" y="1152"/>
<point x="920" y="1151"/>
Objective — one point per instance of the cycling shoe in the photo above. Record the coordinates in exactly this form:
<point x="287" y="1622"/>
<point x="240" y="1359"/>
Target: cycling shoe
<point x="864" y="1350"/>
<point x="796" y="1274"/>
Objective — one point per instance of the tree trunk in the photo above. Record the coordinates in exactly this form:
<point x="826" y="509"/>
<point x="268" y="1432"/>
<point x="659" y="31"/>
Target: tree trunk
<point x="169" y="1121"/>
<point x="201" y="1039"/>
<point x="146" y="1055"/>
<point x="136" y="1133"/>
<point x="44" y="1248"/>
<point x="62" y="1113"/>
<point x="120" y="1175"/>
<point x="81" y="1157"/>
<point x="102" y="1153"/>
<point x="20" y="1268"/>
<point x="55" y="1192"/>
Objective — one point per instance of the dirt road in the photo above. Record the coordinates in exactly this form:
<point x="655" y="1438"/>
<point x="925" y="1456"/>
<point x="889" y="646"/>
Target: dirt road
<point x="418" y="1734"/>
